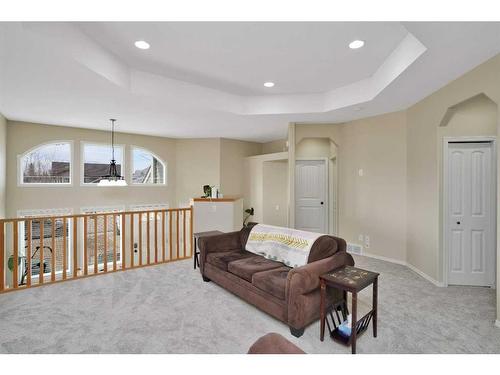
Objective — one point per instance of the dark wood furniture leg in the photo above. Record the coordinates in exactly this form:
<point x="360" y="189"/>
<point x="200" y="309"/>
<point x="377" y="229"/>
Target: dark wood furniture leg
<point x="194" y="253"/>
<point x="374" y="307"/>
<point x="322" y="311"/>
<point x="354" y="313"/>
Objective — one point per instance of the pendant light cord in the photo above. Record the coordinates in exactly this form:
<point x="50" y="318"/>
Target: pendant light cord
<point x="113" y="139"/>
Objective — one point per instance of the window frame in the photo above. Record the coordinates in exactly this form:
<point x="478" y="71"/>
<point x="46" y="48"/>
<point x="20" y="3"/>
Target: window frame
<point x="82" y="161"/>
<point x="163" y="163"/>
<point x="20" y="174"/>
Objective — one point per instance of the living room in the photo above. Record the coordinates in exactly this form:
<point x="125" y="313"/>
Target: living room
<point x="255" y="186"/>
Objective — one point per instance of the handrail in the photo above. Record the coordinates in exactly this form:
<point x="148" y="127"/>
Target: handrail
<point x="100" y="213"/>
<point x="68" y="247"/>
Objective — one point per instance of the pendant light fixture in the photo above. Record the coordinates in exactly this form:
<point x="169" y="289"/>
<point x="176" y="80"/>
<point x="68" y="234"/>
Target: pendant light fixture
<point x="113" y="178"/>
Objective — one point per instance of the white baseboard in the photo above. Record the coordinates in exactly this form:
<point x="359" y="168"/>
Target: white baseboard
<point x="424" y="275"/>
<point x="406" y="264"/>
<point x="497" y="323"/>
<point x="387" y="259"/>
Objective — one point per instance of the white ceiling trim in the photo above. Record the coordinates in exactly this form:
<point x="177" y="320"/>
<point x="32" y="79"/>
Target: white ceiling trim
<point x="405" y="54"/>
<point x="70" y="40"/>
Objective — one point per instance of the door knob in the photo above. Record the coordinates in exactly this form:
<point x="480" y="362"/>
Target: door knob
<point x="321" y="202"/>
<point x="458" y="222"/>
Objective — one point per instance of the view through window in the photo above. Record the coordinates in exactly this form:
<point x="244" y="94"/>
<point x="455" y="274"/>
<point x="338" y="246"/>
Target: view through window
<point x="147" y="169"/>
<point x="96" y="159"/>
<point x="47" y="164"/>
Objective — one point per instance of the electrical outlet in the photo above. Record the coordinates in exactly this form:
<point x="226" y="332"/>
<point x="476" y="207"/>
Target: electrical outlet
<point x="367" y="241"/>
<point x="361" y="238"/>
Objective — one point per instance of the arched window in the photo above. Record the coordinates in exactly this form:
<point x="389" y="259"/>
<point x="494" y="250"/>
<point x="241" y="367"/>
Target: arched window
<point x="147" y="168"/>
<point x="46" y="164"/>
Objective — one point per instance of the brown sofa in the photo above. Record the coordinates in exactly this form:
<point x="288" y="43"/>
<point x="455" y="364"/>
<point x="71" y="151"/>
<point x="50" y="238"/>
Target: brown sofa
<point x="291" y="295"/>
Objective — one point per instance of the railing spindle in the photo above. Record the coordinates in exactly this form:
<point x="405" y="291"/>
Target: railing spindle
<point x="163" y="239"/>
<point x="170" y="235"/>
<point x="140" y="238"/>
<point x="105" y="256"/>
<point x="64" y="249"/>
<point x="184" y="232"/>
<point x="2" y="255"/>
<point x="15" y="255"/>
<point x="85" y="235"/>
<point x="25" y="274"/>
<point x="148" y="241"/>
<point x="191" y="235"/>
<point x="53" y="255"/>
<point x="28" y="256"/>
<point x="114" y="242"/>
<point x="75" y="247"/>
<point x="156" y="237"/>
<point x="177" y="233"/>
<point x="123" y="258"/>
<point x="131" y="240"/>
<point x="41" y="269"/>
<point x="96" y="249"/>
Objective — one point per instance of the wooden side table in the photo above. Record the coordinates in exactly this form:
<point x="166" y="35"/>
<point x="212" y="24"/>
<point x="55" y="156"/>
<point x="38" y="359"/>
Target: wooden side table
<point x="196" y="254"/>
<point x="352" y="280"/>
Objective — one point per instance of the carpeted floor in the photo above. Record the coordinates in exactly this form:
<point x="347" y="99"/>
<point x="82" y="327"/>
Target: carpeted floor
<point x="169" y="309"/>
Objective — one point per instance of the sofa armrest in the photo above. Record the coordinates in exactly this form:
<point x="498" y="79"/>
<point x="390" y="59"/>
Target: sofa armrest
<point x="305" y="279"/>
<point x="215" y="244"/>
<point x="220" y="242"/>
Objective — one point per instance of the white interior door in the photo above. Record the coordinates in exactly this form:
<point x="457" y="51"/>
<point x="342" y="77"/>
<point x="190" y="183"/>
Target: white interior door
<point x="470" y="237"/>
<point x="310" y="195"/>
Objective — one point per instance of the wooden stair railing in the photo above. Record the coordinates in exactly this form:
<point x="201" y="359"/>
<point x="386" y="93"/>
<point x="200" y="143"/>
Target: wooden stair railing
<point x="41" y="250"/>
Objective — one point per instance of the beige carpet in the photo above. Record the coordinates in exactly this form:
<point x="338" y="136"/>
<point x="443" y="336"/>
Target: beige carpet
<point x="169" y="309"/>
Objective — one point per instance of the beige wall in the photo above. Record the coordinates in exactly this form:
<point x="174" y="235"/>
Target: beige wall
<point x="274" y="146"/>
<point x="198" y="164"/>
<point x="3" y="164"/>
<point x="373" y="204"/>
<point x="388" y="147"/>
<point x="23" y="136"/>
<point x="191" y="163"/>
<point x="232" y="155"/>
<point x="313" y="147"/>
<point x="275" y="202"/>
<point x="424" y="139"/>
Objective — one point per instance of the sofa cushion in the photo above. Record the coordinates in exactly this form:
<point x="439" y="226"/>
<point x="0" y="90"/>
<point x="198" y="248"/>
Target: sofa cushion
<point x="272" y="281"/>
<point x="245" y="268"/>
<point x="222" y="259"/>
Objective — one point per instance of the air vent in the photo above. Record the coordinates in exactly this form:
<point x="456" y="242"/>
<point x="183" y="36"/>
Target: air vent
<point x="354" y="248"/>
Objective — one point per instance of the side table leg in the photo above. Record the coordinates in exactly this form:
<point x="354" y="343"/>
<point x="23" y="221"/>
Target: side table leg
<point x="375" y="307"/>
<point x="354" y="321"/>
<point x="322" y="311"/>
<point x="195" y="253"/>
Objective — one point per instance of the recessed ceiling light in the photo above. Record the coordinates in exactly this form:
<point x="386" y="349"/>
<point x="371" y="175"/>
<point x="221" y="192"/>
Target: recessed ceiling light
<point x="355" y="44"/>
<point x="141" y="44"/>
<point x="269" y="84"/>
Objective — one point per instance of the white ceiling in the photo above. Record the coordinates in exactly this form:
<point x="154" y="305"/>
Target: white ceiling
<point x="206" y="79"/>
<point x="236" y="57"/>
